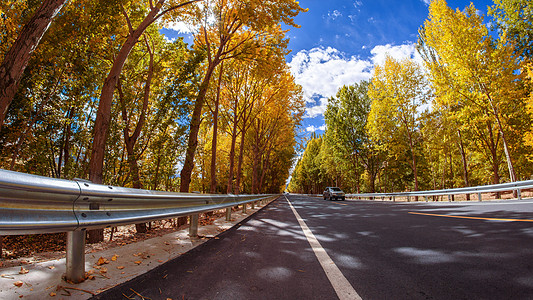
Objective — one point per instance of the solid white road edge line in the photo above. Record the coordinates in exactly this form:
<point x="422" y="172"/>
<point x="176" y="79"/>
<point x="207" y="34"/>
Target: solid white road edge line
<point x="342" y="287"/>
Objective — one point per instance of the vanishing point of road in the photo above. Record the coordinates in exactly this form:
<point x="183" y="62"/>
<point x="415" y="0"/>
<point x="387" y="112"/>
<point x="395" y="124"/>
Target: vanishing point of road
<point x="300" y="247"/>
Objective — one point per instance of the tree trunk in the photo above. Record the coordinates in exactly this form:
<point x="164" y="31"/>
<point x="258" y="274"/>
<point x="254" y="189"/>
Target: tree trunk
<point x="229" y="188"/>
<point x="103" y="114"/>
<point x="495" y="161"/>
<point x="465" y="165"/>
<point x="255" y="168"/>
<point x="17" y="57"/>
<point x="512" y="175"/>
<point x="188" y="165"/>
<point x="156" y="175"/>
<point x="239" y="164"/>
<point x="132" y="140"/>
<point x="413" y="157"/>
<point x="213" y="183"/>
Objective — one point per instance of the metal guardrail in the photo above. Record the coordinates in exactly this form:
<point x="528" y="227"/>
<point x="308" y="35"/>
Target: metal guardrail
<point x="493" y="188"/>
<point x="35" y="204"/>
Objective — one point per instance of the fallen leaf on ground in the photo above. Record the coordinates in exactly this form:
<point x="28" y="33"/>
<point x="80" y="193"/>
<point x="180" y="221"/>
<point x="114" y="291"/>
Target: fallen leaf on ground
<point x="114" y="258"/>
<point x="52" y="294"/>
<point x="138" y="262"/>
<point x="161" y="261"/>
<point x="23" y="271"/>
<point x="103" y="270"/>
<point x="18" y="283"/>
<point x="120" y="267"/>
<point x="102" y="261"/>
<point x="51" y="267"/>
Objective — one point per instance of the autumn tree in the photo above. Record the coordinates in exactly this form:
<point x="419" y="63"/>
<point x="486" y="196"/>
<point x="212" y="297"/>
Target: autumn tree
<point x="346" y="120"/>
<point x="481" y="71"/>
<point x="103" y="115"/>
<point x="231" y="29"/>
<point x="17" y="57"/>
<point x="306" y="175"/>
<point x="398" y="90"/>
<point x="515" y="19"/>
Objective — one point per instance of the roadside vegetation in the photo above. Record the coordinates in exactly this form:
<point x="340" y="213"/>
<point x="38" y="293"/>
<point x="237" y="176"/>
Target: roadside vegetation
<point x="94" y="89"/>
<point x="461" y="116"/>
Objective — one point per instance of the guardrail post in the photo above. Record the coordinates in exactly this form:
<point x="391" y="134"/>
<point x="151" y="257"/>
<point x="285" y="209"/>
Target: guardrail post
<point x="228" y="214"/>
<point x="253" y="204"/>
<point x="193" y="225"/>
<point x="519" y="194"/>
<point x="393" y="198"/>
<point x="244" y="208"/>
<point x="75" y="256"/>
<point x="408" y="198"/>
<point x="426" y="198"/>
<point x="479" y="196"/>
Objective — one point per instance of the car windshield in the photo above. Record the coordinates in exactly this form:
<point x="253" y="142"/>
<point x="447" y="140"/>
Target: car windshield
<point x="336" y="189"/>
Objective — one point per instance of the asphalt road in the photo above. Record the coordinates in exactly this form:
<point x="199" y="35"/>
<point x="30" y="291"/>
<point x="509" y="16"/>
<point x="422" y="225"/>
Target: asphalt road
<point x="384" y="250"/>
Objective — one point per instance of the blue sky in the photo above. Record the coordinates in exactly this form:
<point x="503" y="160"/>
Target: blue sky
<point x="340" y="41"/>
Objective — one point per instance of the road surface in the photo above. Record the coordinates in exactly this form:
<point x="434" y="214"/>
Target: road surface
<point x="376" y="250"/>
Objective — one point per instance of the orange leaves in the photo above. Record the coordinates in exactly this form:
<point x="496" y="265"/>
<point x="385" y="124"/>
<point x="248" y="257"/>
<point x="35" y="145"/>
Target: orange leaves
<point x="102" y="261"/>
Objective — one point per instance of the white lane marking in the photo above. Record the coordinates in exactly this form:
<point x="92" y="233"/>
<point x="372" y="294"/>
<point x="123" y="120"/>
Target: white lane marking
<point x="342" y="287"/>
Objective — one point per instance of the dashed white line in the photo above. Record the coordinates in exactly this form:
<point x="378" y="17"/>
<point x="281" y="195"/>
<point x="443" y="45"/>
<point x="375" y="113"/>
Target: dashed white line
<point x="341" y="285"/>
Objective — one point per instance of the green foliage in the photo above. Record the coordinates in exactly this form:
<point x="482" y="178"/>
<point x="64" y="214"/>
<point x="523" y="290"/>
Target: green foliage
<point x="478" y="129"/>
<point x="515" y="19"/>
<point x="49" y="126"/>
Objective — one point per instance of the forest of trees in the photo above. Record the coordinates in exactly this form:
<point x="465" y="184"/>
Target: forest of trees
<point x="462" y="118"/>
<point x="92" y="89"/>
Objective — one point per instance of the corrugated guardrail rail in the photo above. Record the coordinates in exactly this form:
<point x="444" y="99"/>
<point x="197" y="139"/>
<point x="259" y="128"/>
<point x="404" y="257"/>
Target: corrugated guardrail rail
<point x="493" y="188"/>
<point x="35" y="204"/>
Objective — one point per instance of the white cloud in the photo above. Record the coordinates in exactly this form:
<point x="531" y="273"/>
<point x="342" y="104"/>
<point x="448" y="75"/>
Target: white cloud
<point x="180" y="27"/>
<point x="317" y="110"/>
<point x="169" y="40"/>
<point x="334" y="15"/>
<point x="322" y="71"/>
<point x="427" y="2"/>
<point x="397" y="52"/>
<point x="313" y="128"/>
